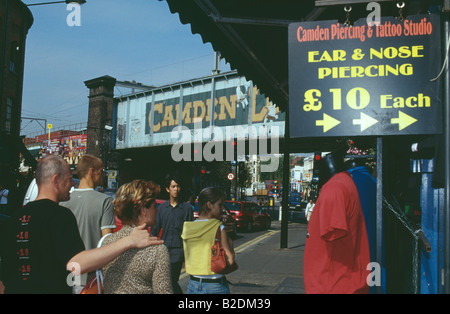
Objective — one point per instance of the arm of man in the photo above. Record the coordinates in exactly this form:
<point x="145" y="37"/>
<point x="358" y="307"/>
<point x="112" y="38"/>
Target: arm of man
<point x="91" y="260"/>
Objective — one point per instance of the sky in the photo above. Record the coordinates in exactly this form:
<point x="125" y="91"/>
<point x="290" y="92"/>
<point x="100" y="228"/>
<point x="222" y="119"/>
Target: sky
<point x="130" y="40"/>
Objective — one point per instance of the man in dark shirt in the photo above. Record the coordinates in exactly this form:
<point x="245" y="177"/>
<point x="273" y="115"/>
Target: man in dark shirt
<point x="41" y="240"/>
<point x="41" y="253"/>
<point x="170" y="219"/>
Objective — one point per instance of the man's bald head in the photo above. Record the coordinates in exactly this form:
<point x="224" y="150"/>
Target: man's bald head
<point x="48" y="167"/>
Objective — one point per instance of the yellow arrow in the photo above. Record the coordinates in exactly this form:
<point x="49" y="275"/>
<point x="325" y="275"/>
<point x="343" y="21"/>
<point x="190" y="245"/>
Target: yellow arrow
<point x="328" y="122"/>
<point x="403" y="120"/>
<point x="365" y="121"/>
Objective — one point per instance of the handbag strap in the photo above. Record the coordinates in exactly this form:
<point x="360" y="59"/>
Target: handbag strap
<point x="218" y="234"/>
<point x="101" y="240"/>
<point x="98" y="272"/>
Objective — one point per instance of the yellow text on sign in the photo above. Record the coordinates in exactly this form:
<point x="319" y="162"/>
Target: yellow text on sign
<point x="402" y="52"/>
<point x="356" y="98"/>
<point x="419" y="101"/>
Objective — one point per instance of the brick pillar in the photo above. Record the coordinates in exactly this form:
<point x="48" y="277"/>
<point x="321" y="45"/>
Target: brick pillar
<point x="101" y="99"/>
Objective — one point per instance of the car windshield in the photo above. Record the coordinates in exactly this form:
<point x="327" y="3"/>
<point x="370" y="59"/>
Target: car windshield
<point x="232" y="206"/>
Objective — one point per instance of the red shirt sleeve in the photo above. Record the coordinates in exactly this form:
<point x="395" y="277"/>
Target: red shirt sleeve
<point x="333" y="217"/>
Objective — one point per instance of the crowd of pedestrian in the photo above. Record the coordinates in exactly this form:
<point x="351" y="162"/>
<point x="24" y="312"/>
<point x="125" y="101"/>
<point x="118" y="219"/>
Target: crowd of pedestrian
<point x="50" y="241"/>
<point x="41" y="244"/>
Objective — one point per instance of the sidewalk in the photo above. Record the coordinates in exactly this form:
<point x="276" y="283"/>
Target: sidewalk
<point x="264" y="268"/>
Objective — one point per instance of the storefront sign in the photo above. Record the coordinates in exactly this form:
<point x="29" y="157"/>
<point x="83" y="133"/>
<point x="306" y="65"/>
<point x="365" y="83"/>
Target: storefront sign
<point x="150" y="118"/>
<point x="71" y="148"/>
<point x="365" y="80"/>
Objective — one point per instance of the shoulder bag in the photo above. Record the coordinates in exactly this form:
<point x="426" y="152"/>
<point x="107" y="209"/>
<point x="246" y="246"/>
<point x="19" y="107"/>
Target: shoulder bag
<point x="219" y="260"/>
<point x="95" y="285"/>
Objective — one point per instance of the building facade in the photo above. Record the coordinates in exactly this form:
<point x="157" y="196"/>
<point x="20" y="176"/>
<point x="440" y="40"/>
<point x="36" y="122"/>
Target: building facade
<point x="15" y="21"/>
<point x="181" y="127"/>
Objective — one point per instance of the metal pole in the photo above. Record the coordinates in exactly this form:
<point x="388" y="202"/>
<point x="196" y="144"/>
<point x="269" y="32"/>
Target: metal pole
<point x="3" y="52"/>
<point x="446" y="148"/>
<point x="236" y="181"/>
<point x="44" y="3"/>
<point x="379" y="213"/>
<point x="286" y="184"/>
<point x="56" y="2"/>
<point x="216" y="69"/>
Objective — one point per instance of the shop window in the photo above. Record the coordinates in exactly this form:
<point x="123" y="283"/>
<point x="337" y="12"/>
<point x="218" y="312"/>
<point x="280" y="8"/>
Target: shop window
<point x="8" y="116"/>
<point x="15" y="57"/>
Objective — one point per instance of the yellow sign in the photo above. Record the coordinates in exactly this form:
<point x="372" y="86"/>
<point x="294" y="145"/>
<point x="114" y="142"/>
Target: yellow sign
<point x="365" y="80"/>
<point x="49" y="126"/>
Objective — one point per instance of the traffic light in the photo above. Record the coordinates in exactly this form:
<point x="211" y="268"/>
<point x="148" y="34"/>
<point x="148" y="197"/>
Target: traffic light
<point x="317" y="156"/>
<point x="241" y="169"/>
<point x="316" y="166"/>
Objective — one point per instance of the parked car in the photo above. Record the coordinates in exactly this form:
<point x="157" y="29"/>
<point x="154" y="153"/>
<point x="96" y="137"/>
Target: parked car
<point x="228" y="220"/>
<point x="295" y="201"/>
<point x="249" y="215"/>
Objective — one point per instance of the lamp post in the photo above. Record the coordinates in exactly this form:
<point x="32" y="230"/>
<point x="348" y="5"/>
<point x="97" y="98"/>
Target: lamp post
<point x="73" y="19"/>
<point x="55" y="2"/>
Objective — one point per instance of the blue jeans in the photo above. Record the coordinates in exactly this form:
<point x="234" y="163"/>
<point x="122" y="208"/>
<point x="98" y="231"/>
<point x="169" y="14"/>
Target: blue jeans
<point x="201" y="287"/>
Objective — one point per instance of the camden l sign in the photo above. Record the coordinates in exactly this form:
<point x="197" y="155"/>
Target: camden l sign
<point x="365" y="80"/>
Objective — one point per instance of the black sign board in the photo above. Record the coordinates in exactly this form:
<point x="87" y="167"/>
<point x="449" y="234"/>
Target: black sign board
<point x="365" y="80"/>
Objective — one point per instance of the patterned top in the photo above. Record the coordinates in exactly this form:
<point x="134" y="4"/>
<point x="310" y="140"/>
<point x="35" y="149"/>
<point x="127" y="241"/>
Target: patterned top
<point x="137" y="271"/>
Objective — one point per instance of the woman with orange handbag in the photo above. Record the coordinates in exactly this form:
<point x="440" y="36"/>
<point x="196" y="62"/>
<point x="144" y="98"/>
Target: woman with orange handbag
<point x="198" y="238"/>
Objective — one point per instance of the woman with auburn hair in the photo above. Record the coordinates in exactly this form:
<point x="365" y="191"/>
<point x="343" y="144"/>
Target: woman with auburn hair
<point x="137" y="270"/>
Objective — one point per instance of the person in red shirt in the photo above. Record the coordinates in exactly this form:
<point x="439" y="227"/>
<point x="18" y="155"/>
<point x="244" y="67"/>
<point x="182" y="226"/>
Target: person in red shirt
<point x="337" y="249"/>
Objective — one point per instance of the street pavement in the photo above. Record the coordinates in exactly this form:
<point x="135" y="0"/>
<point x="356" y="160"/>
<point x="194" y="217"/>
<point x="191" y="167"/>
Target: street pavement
<point x="264" y="267"/>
